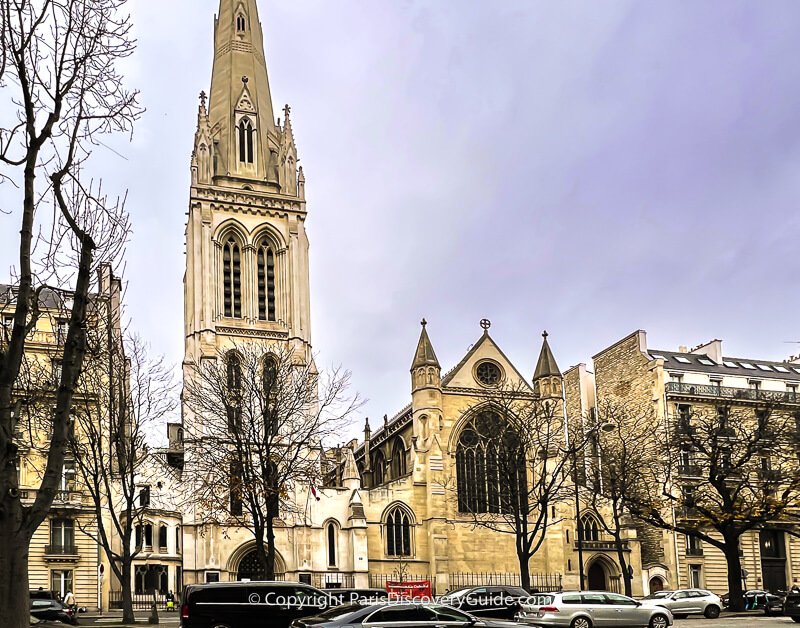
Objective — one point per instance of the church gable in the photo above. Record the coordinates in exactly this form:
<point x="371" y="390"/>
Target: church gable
<point x="245" y="103"/>
<point x="481" y="366"/>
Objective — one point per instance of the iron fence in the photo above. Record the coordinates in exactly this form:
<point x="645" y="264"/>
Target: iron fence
<point x="141" y="601"/>
<point x="542" y="582"/>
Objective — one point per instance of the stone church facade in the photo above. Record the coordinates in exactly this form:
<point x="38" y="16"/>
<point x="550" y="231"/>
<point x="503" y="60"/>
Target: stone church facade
<point x="393" y="505"/>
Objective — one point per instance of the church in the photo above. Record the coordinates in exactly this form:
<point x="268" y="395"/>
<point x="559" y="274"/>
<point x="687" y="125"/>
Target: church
<point x="393" y="507"/>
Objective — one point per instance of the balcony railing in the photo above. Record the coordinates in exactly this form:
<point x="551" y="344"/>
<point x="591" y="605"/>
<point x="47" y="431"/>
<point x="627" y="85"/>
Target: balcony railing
<point x="690" y="470"/>
<point x="64" y="549"/>
<point x="694" y="551"/>
<point x="727" y="392"/>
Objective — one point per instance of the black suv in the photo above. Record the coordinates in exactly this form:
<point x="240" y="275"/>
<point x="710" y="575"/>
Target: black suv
<point x="53" y="610"/>
<point x="246" y="604"/>
<point x="497" y="601"/>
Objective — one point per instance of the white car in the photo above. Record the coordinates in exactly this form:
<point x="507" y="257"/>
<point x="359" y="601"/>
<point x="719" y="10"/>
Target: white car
<point x="685" y="602"/>
<point x="590" y="609"/>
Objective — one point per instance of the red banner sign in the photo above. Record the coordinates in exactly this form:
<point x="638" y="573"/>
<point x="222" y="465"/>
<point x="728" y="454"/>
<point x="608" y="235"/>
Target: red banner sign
<point x="416" y="590"/>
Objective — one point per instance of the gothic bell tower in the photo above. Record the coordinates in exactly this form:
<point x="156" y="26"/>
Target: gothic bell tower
<point x="246" y="245"/>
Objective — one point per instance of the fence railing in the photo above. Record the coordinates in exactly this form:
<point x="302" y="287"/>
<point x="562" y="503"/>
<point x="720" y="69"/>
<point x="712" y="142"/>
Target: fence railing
<point x="542" y="582"/>
<point x="334" y="581"/>
<point x="379" y="580"/>
<point x="68" y="549"/>
<point x="141" y="601"/>
<point x="727" y="392"/>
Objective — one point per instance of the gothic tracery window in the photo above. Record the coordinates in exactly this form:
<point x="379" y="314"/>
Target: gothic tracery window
<point x="490" y="467"/>
<point x="266" y="282"/>
<point x="398" y="532"/>
<point x="590" y="529"/>
<point x="398" y="459"/>
<point x="378" y="468"/>
<point x="245" y="132"/>
<point x="232" y="278"/>
<point x="241" y="23"/>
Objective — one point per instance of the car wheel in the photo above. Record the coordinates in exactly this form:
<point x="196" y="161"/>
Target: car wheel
<point x="711" y="612"/>
<point x="581" y="622"/>
<point x="659" y="621"/>
<point x="796" y="619"/>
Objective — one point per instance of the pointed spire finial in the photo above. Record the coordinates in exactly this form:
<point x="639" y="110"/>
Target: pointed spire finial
<point x="423" y="322"/>
<point x="203" y="99"/>
<point x="486" y="324"/>
<point x="545" y="334"/>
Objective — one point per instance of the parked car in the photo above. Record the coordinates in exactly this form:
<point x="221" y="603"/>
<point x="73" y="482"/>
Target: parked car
<point x="754" y="599"/>
<point x="397" y="615"/>
<point x="684" y="602"/>
<point x="53" y="610"/>
<point x="246" y="604"/>
<point x="345" y="596"/>
<point x="774" y="604"/>
<point x="791" y="606"/>
<point x="500" y="602"/>
<point x="592" y="608"/>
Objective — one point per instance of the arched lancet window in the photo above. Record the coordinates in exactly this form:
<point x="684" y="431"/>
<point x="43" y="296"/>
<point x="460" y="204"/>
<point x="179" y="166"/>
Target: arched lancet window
<point x="233" y="368"/>
<point x="241" y="23"/>
<point x="398" y="532"/>
<point x="232" y="278"/>
<point x="331" y="532"/>
<point x="245" y="141"/>
<point x="398" y="458"/>
<point x="378" y="468"/>
<point x="271" y="398"/>
<point x="266" y="282"/>
<point x="590" y="529"/>
<point x="490" y="467"/>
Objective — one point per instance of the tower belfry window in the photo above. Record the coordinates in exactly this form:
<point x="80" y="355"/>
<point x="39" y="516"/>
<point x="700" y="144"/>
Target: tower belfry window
<point x="232" y="279"/>
<point x="266" y="283"/>
<point x="241" y="23"/>
<point x="245" y="141"/>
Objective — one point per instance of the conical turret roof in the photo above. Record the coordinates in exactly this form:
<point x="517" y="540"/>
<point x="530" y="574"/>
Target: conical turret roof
<point x="425" y="355"/>
<point x="546" y="366"/>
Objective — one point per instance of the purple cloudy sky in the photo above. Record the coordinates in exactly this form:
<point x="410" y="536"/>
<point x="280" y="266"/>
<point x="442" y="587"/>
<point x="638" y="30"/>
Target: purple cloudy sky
<point x="587" y="167"/>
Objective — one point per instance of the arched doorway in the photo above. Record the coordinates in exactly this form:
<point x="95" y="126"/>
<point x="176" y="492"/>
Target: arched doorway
<point x="249" y="567"/>
<point x="597" y="577"/>
<point x="656" y="584"/>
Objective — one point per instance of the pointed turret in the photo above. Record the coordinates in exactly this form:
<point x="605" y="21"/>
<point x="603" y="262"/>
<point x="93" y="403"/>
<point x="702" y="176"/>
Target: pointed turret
<point x="247" y="142"/>
<point x="547" y="377"/>
<point x="202" y="155"/>
<point x="425" y="355"/>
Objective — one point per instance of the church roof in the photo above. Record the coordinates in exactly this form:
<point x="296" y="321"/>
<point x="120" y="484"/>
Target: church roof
<point x="546" y="366"/>
<point x="425" y="355"/>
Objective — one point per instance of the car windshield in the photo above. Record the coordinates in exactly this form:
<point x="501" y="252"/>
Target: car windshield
<point x="658" y="595"/>
<point x="338" y="612"/>
<point x="457" y="592"/>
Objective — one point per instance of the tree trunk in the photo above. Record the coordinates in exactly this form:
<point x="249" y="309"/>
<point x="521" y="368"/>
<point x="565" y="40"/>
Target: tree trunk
<point x="734" y="561"/>
<point x="14" y="591"/>
<point x="127" y="585"/>
<point x="270" y="546"/>
<point x="627" y="579"/>
<point x="524" y="570"/>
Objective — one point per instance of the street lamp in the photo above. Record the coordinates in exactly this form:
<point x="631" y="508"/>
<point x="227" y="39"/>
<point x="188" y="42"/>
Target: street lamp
<point x="604" y="427"/>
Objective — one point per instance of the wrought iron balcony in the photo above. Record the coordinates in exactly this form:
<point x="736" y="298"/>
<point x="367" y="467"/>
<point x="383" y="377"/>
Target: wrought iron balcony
<point x="694" y="551"/>
<point x="690" y="470"/>
<point x="62" y="549"/>
<point x="601" y="545"/>
<point x="733" y="394"/>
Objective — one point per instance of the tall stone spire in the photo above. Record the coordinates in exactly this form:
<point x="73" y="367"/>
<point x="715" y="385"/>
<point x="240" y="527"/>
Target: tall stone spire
<point x="547" y="377"/>
<point x="240" y="94"/>
<point x="424" y="356"/>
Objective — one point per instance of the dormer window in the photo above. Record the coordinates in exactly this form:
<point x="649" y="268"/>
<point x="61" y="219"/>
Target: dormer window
<point x="245" y="130"/>
<point x="241" y="23"/>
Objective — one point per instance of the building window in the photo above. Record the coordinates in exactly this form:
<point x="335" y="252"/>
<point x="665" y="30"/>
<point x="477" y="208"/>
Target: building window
<point x="232" y="279"/>
<point x="212" y="576"/>
<point x="56" y="370"/>
<point x="490" y="467"/>
<point x="332" y="539"/>
<point x="236" y="504"/>
<point x="245" y="141"/>
<point x="271" y="385"/>
<point x="488" y="373"/>
<point x="178" y="540"/>
<point x="67" y="476"/>
<point x="162" y="538"/>
<point x="144" y="497"/>
<point x="61" y="581"/>
<point x="241" y="23"/>
<point x="151" y="578"/>
<point x="148" y="535"/>
<point x="378" y="468"/>
<point x="60" y="327"/>
<point x="694" y="546"/>
<point x="590" y="529"/>
<point x="695" y="576"/>
<point x="62" y="536"/>
<point x="398" y="532"/>
<point x="233" y="371"/>
<point x="398" y="458"/>
<point x="8" y="326"/>
<point x="266" y="282"/>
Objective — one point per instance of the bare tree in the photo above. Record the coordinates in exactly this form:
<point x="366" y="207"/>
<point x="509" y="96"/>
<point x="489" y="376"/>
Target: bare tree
<point x="720" y="472"/>
<point x="512" y="463"/>
<point x="261" y="414"/>
<point x="620" y="450"/>
<point x="61" y="92"/>
<point x="111" y="449"/>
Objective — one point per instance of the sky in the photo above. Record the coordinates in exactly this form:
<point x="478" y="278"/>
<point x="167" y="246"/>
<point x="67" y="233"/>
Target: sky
<point x="588" y="168"/>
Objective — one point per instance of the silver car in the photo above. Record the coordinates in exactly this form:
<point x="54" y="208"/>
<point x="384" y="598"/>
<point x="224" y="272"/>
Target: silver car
<point x="591" y="608"/>
<point x="685" y="602"/>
